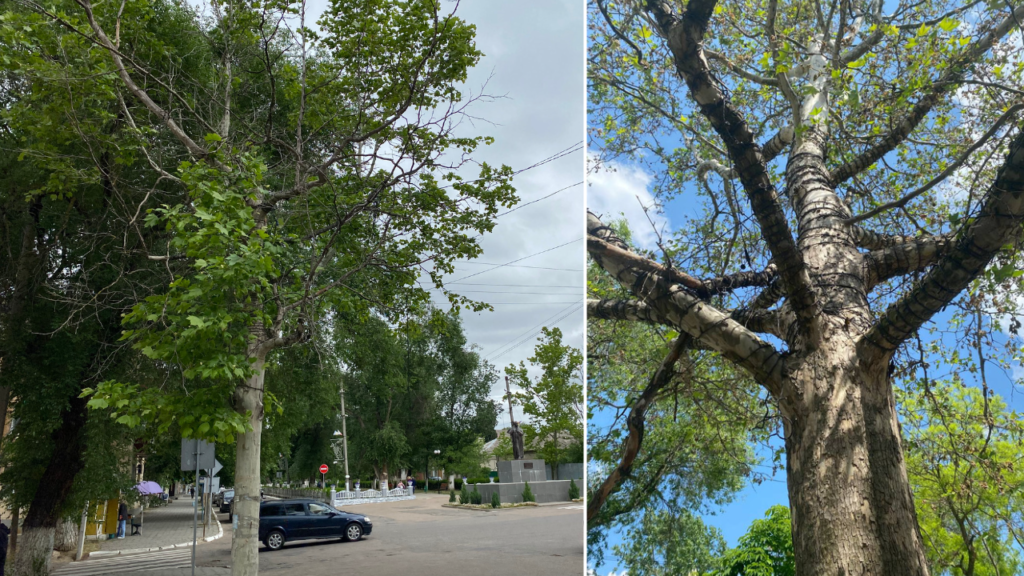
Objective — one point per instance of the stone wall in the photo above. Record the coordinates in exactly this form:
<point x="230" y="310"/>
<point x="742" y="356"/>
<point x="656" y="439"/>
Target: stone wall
<point x="521" y="470"/>
<point x="512" y="492"/>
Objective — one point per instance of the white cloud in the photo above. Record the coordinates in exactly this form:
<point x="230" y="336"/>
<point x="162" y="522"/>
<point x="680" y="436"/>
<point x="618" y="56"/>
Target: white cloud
<point x="617" y="190"/>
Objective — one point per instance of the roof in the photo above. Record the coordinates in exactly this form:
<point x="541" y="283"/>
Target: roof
<point x="564" y="440"/>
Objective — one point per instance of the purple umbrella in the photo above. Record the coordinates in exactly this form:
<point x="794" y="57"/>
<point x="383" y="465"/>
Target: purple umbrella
<point x="149" y="487"/>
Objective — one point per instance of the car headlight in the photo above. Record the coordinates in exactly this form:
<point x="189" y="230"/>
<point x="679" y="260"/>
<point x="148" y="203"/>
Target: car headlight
<point x="367" y="520"/>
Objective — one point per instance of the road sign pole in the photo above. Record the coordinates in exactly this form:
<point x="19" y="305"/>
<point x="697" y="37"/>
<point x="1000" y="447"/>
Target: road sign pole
<point x="195" y="511"/>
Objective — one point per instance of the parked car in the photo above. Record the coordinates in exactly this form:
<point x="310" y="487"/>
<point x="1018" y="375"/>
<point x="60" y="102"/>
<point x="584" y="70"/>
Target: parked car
<point x="225" y="500"/>
<point x="303" y="519"/>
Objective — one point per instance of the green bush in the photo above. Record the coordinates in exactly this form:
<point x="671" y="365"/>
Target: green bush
<point x="527" y="494"/>
<point x="464" y="495"/>
<point x="495" y="501"/>
<point x="574" y="490"/>
<point x="479" y="480"/>
<point x="476" y="497"/>
<point x="451" y="496"/>
<point x="436" y="484"/>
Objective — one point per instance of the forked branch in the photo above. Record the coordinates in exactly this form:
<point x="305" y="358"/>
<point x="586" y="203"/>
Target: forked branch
<point x="956" y="72"/>
<point x="998" y="224"/>
<point x="685" y="39"/>
<point x="706" y="324"/>
<point x="635" y="425"/>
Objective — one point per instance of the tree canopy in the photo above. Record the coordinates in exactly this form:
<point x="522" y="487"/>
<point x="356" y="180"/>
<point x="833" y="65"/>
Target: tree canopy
<point x="837" y="193"/>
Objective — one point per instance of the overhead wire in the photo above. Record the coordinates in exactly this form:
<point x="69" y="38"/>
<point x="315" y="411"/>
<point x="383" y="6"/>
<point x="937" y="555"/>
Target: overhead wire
<point x="580" y="239"/>
<point x="519" y="341"/>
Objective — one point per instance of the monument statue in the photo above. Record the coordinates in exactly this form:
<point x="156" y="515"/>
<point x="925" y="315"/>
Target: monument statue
<point x="515" y="432"/>
<point x="518" y="451"/>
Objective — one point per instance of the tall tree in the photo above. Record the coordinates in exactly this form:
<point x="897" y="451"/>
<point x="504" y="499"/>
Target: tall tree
<point x="963" y="456"/>
<point x="74" y="260"/>
<point x="413" y="389"/>
<point x="310" y="171"/>
<point x="847" y="108"/>
<point x="553" y="401"/>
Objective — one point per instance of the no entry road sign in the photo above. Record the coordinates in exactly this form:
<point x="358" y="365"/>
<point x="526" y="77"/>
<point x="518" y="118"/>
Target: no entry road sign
<point x="323" y="468"/>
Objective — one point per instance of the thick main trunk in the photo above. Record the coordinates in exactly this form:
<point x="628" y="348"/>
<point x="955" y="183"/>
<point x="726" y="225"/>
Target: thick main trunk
<point x="36" y="543"/>
<point x="245" y="540"/>
<point x="35" y="548"/>
<point x="65" y="538"/>
<point x="852" y="508"/>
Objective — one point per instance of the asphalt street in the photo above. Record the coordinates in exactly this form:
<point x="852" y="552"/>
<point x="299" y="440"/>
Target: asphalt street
<point x="420" y="538"/>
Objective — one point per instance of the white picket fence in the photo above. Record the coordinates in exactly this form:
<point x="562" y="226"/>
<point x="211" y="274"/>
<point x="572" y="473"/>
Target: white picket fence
<point x="371" y="496"/>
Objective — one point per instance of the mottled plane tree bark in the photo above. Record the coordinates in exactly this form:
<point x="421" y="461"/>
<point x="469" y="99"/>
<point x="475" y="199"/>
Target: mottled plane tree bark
<point x="872" y="168"/>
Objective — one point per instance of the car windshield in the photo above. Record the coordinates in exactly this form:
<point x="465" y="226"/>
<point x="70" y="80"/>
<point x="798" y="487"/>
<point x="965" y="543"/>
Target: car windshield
<point x="229" y="493"/>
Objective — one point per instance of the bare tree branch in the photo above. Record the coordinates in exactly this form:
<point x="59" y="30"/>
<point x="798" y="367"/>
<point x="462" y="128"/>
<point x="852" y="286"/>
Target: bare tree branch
<point x="685" y="39"/>
<point x="689" y="314"/>
<point x="998" y="224"/>
<point x="635" y="424"/>
<point x="953" y="167"/>
<point x="955" y="72"/>
<point x="904" y="258"/>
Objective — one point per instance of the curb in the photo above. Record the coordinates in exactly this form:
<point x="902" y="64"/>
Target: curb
<point x="457" y="507"/>
<point x="102" y="553"/>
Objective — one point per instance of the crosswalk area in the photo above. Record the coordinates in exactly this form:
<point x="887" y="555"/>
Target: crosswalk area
<point x="160" y="560"/>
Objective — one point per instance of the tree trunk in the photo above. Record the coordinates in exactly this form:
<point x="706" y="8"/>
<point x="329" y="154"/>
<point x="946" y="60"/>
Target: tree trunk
<point x="66" y="537"/>
<point x="852" y="508"/>
<point x="36" y="543"/>
<point x="12" y="546"/>
<point x="245" y="540"/>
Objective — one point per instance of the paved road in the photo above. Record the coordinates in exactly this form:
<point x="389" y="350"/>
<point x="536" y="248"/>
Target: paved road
<point x="420" y="538"/>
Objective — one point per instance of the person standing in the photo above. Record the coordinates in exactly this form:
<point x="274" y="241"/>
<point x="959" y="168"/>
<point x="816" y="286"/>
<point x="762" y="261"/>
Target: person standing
<point x="4" y="539"/>
<point x="122" y="517"/>
<point x="412" y="484"/>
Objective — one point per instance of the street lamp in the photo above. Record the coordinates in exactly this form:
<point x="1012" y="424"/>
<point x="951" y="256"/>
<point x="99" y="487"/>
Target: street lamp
<point x="427" y="479"/>
<point x="287" y="474"/>
<point x="340" y="447"/>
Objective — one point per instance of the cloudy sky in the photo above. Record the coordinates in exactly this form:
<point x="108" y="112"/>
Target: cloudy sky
<point x="534" y="57"/>
<point x="534" y="60"/>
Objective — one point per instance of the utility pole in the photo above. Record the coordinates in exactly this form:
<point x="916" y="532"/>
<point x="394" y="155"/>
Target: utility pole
<point x="344" y="435"/>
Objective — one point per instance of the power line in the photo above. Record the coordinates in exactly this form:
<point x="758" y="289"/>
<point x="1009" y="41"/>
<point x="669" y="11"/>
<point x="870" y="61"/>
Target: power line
<point x="557" y="155"/>
<point x="519" y="266"/>
<point x="539" y="199"/>
<point x="531" y="336"/>
<point x="577" y="286"/>
<point x="505" y="292"/>
<point x="520" y="259"/>
<point x="528" y="331"/>
<point x="561" y="154"/>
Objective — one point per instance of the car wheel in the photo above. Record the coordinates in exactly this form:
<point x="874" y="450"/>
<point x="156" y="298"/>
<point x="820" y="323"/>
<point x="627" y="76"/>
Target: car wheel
<point x="353" y="532"/>
<point x="274" y="540"/>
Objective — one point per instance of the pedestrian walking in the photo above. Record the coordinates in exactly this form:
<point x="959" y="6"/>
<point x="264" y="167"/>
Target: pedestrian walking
<point x="122" y="517"/>
<point x="4" y="540"/>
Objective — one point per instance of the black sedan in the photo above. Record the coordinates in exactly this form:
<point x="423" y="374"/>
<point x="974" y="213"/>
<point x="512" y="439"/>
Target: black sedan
<point x="286" y="520"/>
<point x="225" y="500"/>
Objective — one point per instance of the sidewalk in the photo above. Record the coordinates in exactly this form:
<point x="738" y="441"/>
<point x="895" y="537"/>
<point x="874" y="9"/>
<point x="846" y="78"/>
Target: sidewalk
<point x="166" y="527"/>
